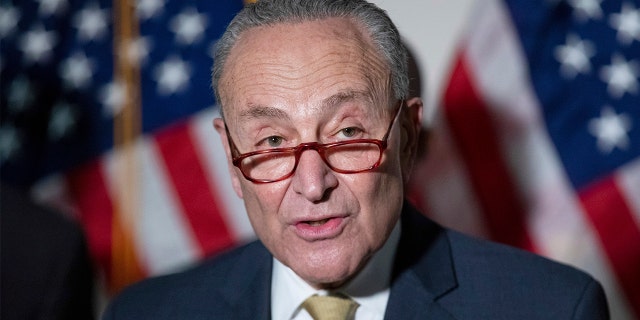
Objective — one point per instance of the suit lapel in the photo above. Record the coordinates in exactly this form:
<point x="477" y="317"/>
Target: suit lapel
<point x="410" y="300"/>
<point x="248" y="288"/>
<point x="423" y="270"/>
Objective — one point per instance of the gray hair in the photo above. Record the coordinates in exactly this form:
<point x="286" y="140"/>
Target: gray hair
<point x="374" y="20"/>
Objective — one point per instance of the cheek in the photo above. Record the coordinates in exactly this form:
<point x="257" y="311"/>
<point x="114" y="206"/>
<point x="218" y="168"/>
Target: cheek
<point x="386" y="196"/>
<point x="380" y="198"/>
<point x="262" y="202"/>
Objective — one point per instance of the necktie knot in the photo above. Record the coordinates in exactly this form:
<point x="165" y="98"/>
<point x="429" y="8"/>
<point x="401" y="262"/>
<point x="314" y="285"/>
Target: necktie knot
<point x="330" y="307"/>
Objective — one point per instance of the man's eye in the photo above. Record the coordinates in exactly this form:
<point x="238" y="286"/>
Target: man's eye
<point x="274" y="141"/>
<point x="350" y="132"/>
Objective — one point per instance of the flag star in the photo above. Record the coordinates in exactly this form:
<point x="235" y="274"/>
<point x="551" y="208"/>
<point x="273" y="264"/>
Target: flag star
<point x="112" y="96"/>
<point x="627" y="22"/>
<point x="91" y="22"/>
<point x="20" y="94"/>
<point x="574" y="56"/>
<point x="611" y="130"/>
<point x="188" y="26"/>
<point x="50" y="7"/>
<point x="621" y="76"/>
<point x="586" y="9"/>
<point x="137" y="50"/>
<point x="77" y="70"/>
<point x="10" y="143"/>
<point x="9" y="17"/>
<point x="147" y="9"/>
<point x="62" y="121"/>
<point x="172" y="76"/>
<point x="37" y="44"/>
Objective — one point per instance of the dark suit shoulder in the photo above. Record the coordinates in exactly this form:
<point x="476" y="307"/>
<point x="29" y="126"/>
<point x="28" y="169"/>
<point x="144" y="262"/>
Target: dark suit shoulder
<point x="469" y="278"/>
<point x="478" y="254"/>
<point x="212" y="286"/>
<point x="514" y="283"/>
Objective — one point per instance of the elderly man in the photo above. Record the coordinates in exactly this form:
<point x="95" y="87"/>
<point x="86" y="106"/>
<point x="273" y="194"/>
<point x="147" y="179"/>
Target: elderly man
<point x="320" y="136"/>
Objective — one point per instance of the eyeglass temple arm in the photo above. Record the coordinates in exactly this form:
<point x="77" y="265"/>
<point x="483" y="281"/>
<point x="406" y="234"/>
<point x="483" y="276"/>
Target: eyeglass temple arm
<point x="395" y="117"/>
<point x="232" y="146"/>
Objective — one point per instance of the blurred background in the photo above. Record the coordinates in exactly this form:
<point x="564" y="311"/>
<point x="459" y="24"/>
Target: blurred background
<point x="532" y="138"/>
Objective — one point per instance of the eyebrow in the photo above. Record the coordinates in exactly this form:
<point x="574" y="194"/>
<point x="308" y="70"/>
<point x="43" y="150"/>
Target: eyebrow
<point x="260" y="111"/>
<point x="342" y="97"/>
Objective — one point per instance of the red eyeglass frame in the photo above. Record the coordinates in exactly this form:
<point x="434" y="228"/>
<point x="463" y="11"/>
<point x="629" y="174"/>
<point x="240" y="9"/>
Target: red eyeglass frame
<point x="237" y="157"/>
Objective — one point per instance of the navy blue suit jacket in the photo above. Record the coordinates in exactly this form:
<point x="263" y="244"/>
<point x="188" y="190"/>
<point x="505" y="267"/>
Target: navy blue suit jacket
<point x="438" y="274"/>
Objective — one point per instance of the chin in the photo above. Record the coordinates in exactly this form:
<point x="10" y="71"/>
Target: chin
<point x="327" y="281"/>
<point x="328" y="274"/>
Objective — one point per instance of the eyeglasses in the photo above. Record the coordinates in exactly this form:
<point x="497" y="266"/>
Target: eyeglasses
<point x="277" y="164"/>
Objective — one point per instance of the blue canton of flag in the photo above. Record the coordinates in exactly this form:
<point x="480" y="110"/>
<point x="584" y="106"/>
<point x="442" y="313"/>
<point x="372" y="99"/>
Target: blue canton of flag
<point x="586" y="74"/>
<point x="59" y="96"/>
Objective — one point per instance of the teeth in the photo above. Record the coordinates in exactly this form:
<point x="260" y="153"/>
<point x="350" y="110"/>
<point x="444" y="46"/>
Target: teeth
<point x="317" y="223"/>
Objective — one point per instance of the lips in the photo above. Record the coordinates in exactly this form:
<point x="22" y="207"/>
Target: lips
<point x="320" y="229"/>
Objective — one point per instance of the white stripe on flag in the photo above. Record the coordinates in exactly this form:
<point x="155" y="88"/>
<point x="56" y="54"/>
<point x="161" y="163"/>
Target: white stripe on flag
<point x="556" y="221"/>
<point x="214" y="161"/>
<point x="163" y="239"/>
<point x="628" y="181"/>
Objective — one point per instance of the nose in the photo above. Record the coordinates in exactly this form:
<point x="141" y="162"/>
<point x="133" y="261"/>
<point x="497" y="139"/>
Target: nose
<point x="313" y="179"/>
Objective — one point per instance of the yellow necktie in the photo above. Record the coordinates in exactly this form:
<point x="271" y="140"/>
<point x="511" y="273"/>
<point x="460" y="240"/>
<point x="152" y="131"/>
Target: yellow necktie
<point x="330" y="307"/>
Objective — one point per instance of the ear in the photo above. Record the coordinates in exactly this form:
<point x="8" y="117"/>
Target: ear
<point x="411" y="128"/>
<point x="220" y="126"/>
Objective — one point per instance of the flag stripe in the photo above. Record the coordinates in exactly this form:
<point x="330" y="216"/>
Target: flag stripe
<point x="619" y="234"/>
<point x="197" y="199"/>
<point x="95" y="209"/>
<point x="473" y="131"/>
<point x="216" y="165"/>
<point x="159" y="209"/>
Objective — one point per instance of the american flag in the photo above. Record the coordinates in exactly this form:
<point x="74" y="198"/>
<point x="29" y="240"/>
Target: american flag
<point x="107" y="112"/>
<point x="537" y="140"/>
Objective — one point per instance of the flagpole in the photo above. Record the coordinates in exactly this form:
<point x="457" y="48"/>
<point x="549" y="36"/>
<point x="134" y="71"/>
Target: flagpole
<point x="125" y="266"/>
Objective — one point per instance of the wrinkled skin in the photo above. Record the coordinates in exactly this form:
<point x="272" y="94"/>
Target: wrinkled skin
<point x="317" y="81"/>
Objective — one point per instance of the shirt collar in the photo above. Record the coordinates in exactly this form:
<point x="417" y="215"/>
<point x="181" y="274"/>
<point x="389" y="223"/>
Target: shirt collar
<point x="370" y="287"/>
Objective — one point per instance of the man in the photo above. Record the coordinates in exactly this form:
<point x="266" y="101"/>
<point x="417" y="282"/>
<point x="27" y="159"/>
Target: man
<point x="320" y="135"/>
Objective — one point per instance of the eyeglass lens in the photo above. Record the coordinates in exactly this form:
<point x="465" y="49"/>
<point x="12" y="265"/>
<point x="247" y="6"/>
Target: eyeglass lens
<point x="348" y="157"/>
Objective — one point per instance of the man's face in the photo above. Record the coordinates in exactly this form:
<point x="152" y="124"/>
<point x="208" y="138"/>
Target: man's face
<point x="315" y="81"/>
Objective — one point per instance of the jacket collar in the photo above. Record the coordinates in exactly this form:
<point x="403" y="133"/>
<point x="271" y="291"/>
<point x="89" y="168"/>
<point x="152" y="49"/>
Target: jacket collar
<point x="423" y="271"/>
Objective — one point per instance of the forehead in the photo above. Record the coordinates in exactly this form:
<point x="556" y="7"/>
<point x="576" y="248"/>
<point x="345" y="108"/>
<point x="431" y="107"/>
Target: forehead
<point x="302" y="64"/>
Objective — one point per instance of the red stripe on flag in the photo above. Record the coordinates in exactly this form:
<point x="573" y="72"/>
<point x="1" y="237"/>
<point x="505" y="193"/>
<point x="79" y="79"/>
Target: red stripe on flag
<point x="472" y="129"/>
<point x="618" y="232"/>
<point x="90" y="194"/>
<point x="197" y="196"/>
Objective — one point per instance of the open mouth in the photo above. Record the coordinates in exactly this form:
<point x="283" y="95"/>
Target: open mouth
<point x="320" y="229"/>
<point x="318" y="222"/>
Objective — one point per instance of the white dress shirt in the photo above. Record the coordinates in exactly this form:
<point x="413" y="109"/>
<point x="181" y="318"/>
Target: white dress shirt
<point x="370" y="288"/>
